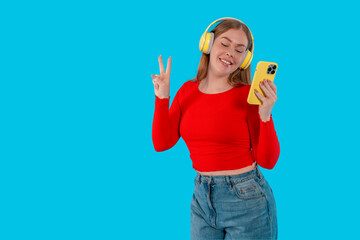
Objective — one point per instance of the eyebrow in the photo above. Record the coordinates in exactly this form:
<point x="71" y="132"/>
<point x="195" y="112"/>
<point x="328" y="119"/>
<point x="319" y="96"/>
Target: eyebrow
<point x="231" y="41"/>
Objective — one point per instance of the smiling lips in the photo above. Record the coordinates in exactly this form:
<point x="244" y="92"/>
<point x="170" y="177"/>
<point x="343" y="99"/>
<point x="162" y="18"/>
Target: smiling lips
<point x="225" y="62"/>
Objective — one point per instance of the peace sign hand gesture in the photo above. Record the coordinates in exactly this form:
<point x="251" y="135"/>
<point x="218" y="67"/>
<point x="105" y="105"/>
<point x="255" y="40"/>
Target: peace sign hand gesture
<point x="162" y="82"/>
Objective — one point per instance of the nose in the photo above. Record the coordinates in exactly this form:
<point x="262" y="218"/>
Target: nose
<point x="229" y="53"/>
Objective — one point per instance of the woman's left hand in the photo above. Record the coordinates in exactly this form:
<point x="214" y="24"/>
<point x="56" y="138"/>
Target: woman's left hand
<point x="268" y="100"/>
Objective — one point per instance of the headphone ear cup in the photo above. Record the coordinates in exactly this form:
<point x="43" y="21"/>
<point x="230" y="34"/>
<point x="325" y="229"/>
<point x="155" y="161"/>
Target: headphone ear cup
<point x="211" y="41"/>
<point x="202" y="42"/>
<point x="247" y="60"/>
<point x="206" y="42"/>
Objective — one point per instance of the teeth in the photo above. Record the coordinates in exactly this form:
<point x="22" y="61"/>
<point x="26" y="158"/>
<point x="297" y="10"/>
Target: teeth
<point x="225" y="61"/>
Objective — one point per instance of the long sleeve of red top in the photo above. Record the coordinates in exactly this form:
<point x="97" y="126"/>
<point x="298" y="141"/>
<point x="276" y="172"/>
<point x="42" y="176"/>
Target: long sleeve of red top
<point x="165" y="129"/>
<point x="222" y="131"/>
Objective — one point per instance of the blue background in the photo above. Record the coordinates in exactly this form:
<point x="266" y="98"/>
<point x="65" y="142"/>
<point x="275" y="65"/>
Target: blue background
<point x="77" y="104"/>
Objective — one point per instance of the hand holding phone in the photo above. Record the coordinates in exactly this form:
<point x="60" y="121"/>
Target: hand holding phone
<point x="264" y="70"/>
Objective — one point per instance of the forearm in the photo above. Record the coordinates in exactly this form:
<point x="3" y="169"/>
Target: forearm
<point x="165" y="125"/>
<point x="268" y="149"/>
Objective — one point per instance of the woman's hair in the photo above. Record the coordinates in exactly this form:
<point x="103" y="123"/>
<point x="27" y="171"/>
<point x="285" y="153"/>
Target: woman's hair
<point x="239" y="76"/>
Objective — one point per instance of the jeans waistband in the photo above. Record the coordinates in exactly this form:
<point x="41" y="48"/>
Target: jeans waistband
<point x="233" y="178"/>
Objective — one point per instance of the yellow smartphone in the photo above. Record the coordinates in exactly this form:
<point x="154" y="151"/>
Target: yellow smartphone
<point x="264" y="70"/>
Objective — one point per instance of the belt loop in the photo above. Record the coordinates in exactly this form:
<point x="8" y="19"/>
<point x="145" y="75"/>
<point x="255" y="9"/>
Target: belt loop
<point x="229" y="181"/>
<point x="258" y="171"/>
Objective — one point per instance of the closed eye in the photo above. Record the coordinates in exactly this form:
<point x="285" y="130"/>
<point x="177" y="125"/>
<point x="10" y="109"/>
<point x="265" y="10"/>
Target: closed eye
<point x="227" y="46"/>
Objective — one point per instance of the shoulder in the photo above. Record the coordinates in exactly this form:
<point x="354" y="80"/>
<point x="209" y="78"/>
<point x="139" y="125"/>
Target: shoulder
<point x="242" y="94"/>
<point x="246" y="87"/>
<point x="243" y="90"/>
<point x="188" y="85"/>
<point x="186" y="89"/>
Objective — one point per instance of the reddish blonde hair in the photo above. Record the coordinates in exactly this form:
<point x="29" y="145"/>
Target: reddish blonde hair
<point x="238" y="76"/>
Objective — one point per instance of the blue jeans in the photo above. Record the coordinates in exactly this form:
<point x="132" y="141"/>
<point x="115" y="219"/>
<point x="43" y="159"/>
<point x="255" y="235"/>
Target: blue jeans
<point x="233" y="207"/>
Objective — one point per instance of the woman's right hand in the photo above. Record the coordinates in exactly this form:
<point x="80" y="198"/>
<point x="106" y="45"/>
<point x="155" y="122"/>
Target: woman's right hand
<point x="162" y="82"/>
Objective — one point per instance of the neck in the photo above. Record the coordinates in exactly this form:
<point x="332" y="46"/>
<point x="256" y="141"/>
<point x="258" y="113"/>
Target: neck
<point x="214" y="82"/>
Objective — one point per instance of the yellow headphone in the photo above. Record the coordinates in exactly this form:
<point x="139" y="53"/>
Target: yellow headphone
<point x="207" y="40"/>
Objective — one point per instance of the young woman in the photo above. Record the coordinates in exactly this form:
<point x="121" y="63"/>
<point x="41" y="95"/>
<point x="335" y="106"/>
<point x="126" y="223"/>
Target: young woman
<point x="227" y="137"/>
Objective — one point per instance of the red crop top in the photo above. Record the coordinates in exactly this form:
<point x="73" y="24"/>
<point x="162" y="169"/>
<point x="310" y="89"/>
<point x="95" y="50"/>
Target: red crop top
<point x="222" y="131"/>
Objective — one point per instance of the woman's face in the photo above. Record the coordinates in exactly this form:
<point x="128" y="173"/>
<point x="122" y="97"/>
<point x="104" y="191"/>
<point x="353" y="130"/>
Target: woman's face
<point x="229" y="47"/>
